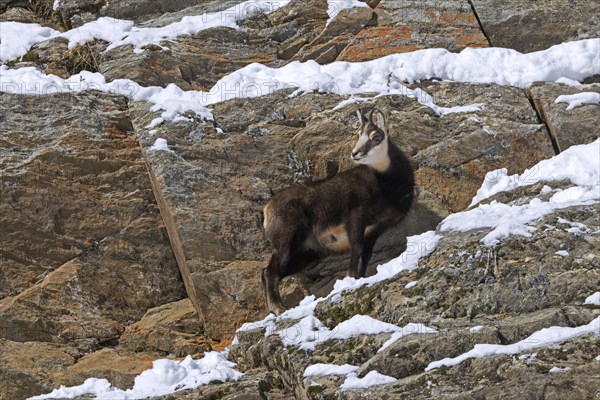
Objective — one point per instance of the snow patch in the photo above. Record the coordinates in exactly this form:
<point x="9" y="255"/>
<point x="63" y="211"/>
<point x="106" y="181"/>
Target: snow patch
<point x="579" y="164"/>
<point x="579" y="99"/>
<point x="373" y="378"/>
<point x="165" y="376"/>
<point x="593" y="299"/>
<point x="160" y="145"/>
<point x="93" y="386"/>
<point x="417" y="247"/>
<point x="409" y="329"/>
<point x="361" y="325"/>
<point x="528" y="358"/>
<point x="171" y="100"/>
<point x="17" y="38"/>
<point x="562" y="253"/>
<point x="329" y="369"/>
<point x="541" y="338"/>
<point x="306" y="334"/>
<point x="476" y="328"/>
<point x="310" y="331"/>
<point x="383" y="75"/>
<point x="410" y="284"/>
<point x="554" y="370"/>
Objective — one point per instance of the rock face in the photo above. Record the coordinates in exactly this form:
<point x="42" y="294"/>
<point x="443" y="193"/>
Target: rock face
<point x="529" y="28"/>
<point x="567" y="127"/>
<point x="103" y="237"/>
<point x="412" y="25"/>
<point x="83" y="252"/>
<point x="510" y="291"/>
<point x="192" y="62"/>
<point x="72" y="13"/>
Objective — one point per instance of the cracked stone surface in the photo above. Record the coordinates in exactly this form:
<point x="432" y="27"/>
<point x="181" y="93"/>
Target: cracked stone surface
<point x="83" y="252"/>
<point x="528" y="27"/>
<point x="404" y="26"/>
<point x="567" y="127"/>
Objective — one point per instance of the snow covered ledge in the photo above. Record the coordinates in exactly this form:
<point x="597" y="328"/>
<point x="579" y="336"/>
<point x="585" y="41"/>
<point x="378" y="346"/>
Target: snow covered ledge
<point x="541" y="338"/>
<point x="578" y="164"/>
<point x="571" y="61"/>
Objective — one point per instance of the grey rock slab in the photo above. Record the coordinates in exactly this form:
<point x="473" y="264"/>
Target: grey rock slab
<point x="210" y="190"/>
<point x="505" y="133"/>
<point x="567" y="127"/>
<point x="83" y="251"/>
<point x="75" y="13"/>
<point x="504" y="376"/>
<point x="533" y="26"/>
<point x="404" y="26"/>
<point x="190" y="61"/>
<point x="170" y="329"/>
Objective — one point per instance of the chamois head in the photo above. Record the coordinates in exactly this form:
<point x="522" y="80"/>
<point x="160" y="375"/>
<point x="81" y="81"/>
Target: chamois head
<point x="372" y="146"/>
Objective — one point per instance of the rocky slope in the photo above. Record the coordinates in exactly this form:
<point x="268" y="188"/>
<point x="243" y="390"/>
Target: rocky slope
<point x="114" y="255"/>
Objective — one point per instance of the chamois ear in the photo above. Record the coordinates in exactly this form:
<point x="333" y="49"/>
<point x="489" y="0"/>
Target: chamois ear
<point x="378" y="119"/>
<point x="361" y="116"/>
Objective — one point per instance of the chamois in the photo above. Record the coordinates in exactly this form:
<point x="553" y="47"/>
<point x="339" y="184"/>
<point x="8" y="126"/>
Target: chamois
<point x="347" y="211"/>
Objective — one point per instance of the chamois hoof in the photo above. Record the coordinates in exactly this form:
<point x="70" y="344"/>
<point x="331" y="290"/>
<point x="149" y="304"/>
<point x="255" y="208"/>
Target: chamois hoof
<point x="278" y="310"/>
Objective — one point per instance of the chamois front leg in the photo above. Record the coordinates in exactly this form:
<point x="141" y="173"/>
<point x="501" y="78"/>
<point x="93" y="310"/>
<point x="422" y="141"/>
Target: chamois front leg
<point x="369" y="243"/>
<point x="365" y="257"/>
<point x="356" y="235"/>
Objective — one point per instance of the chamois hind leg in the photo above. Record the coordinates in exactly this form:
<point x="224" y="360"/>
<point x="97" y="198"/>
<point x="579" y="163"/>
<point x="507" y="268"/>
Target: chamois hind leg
<point x="272" y="275"/>
<point x="283" y="244"/>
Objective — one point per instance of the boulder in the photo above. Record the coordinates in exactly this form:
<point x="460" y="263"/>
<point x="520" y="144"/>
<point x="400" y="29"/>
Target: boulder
<point x="172" y="329"/>
<point x="18" y="14"/>
<point x="74" y="13"/>
<point x="412" y="25"/>
<point x="566" y="127"/>
<point x="528" y="27"/>
<point x="327" y="46"/>
<point x="27" y="367"/>
<point x="83" y="249"/>
<point x="117" y="366"/>
<point x="8" y="4"/>
<point x="191" y="61"/>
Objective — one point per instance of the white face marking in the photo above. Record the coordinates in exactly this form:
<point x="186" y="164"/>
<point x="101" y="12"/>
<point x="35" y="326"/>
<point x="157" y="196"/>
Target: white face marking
<point x="361" y="142"/>
<point x="377" y="157"/>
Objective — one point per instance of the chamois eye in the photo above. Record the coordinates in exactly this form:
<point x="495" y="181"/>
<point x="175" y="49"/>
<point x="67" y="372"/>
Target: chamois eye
<point x="374" y="135"/>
